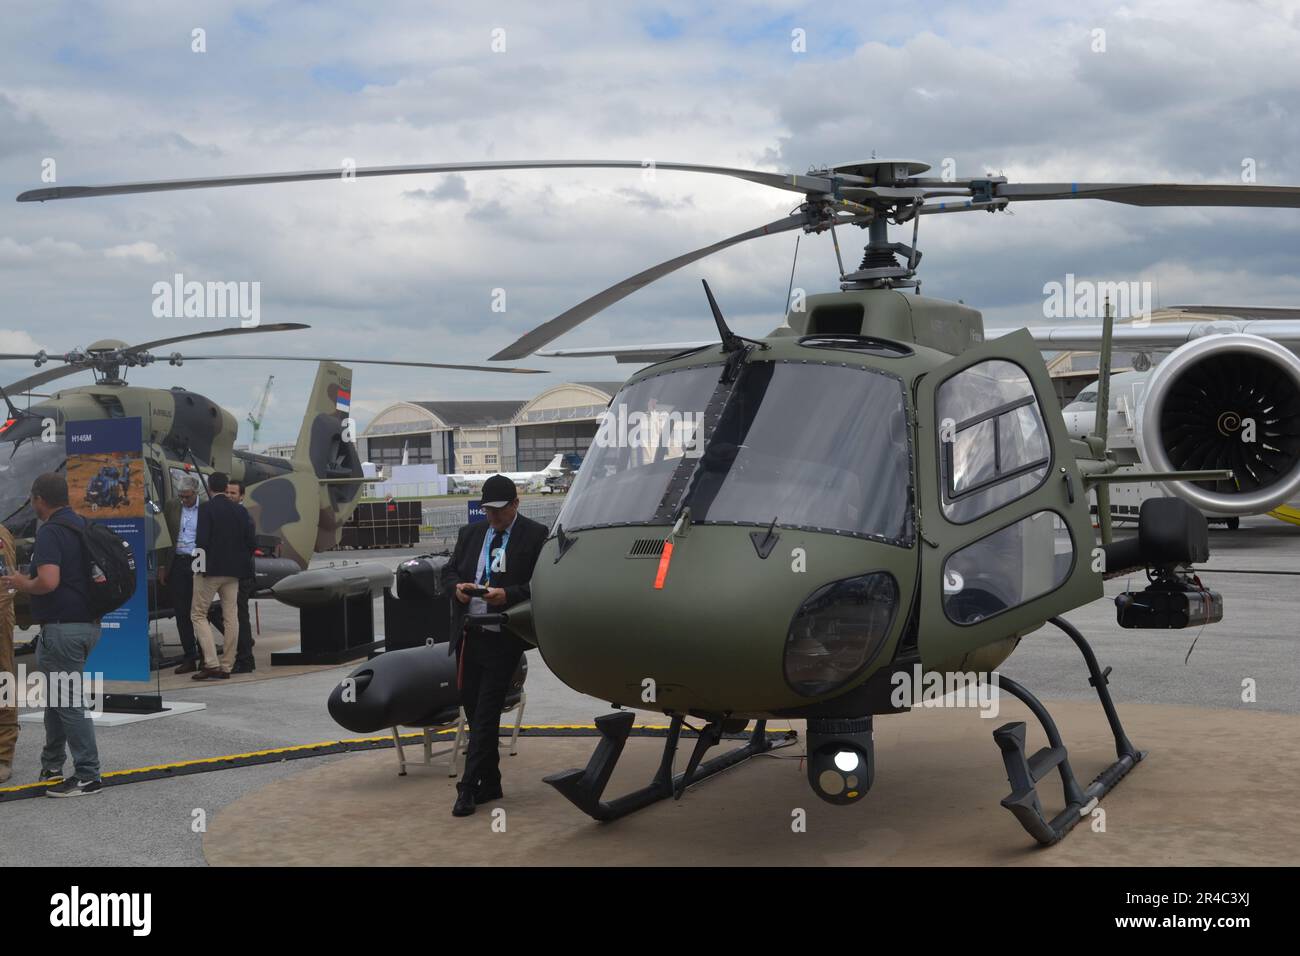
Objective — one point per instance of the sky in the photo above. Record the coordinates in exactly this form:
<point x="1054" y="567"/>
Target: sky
<point x="418" y="268"/>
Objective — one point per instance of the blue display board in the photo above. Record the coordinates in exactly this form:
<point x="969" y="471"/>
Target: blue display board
<point x="476" y="512"/>
<point x="106" y="484"/>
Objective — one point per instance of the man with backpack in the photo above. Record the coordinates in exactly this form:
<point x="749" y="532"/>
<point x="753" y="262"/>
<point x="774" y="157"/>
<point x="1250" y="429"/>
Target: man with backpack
<point x="58" y="584"/>
<point x="225" y="539"/>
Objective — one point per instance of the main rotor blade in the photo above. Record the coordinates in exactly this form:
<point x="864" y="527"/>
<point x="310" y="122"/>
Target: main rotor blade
<point x="219" y="333"/>
<point x="547" y="332"/>
<point x="40" y="378"/>
<point x="794" y="183"/>
<point x="1156" y="194"/>
<point x="352" y="361"/>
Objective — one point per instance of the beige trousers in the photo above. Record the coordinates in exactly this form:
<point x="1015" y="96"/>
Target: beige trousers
<point x="207" y="587"/>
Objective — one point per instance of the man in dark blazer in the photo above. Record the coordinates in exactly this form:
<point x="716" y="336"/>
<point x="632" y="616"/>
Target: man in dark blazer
<point x="489" y="571"/>
<point x="225" y="542"/>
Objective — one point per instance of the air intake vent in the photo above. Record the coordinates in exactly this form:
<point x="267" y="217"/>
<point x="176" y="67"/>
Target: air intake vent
<point x="856" y="343"/>
<point x="647" y="548"/>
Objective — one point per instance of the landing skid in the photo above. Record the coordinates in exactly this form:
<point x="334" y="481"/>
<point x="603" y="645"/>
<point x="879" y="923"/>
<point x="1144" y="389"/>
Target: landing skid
<point x="583" y="788"/>
<point x="1023" y="773"/>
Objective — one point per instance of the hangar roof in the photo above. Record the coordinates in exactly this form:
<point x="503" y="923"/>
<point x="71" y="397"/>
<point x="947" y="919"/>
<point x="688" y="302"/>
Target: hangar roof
<point x="473" y="414"/>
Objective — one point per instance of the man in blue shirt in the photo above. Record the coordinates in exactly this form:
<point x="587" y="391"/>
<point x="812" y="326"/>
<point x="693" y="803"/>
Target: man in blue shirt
<point x="58" y="585"/>
<point x="175" y="570"/>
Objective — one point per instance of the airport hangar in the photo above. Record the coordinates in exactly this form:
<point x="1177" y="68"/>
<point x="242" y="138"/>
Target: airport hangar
<point x="486" y="436"/>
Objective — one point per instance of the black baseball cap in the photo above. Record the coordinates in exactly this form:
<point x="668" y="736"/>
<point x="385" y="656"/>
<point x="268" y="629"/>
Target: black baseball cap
<point x="498" y="491"/>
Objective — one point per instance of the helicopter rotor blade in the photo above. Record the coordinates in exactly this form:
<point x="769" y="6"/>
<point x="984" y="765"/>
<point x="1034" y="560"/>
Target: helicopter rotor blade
<point x="548" y="331"/>
<point x="88" y="362"/>
<point x="794" y="183"/>
<point x="219" y="333"/>
<point x="41" y="377"/>
<point x="354" y="361"/>
<point x="1156" y="194"/>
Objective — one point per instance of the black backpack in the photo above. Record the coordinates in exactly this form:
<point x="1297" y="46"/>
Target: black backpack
<point x="110" y="566"/>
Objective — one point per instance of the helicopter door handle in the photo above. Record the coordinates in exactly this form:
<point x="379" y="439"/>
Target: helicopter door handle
<point x="1069" y="485"/>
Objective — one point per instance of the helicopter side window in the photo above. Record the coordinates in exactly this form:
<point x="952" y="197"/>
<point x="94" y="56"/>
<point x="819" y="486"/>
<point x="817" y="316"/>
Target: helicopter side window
<point x="1006" y="569"/>
<point x="994" y="444"/>
<point x="157" y="490"/>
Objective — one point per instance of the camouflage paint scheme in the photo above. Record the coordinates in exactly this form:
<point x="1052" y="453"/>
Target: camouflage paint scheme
<point x="185" y="430"/>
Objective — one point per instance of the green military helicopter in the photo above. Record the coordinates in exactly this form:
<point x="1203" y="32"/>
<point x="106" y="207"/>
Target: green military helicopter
<point x="299" y="505"/>
<point x="871" y="491"/>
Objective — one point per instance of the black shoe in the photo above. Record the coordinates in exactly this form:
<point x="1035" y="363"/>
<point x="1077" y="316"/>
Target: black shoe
<point x="243" y="669"/>
<point x="47" y="775"/>
<point x="189" y="667"/>
<point x="464" y="803"/>
<point x="72" y="787"/>
<point x="486" y="794"/>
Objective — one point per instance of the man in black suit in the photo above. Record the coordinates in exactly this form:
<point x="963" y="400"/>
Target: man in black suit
<point x="489" y="572"/>
<point x="226" y="540"/>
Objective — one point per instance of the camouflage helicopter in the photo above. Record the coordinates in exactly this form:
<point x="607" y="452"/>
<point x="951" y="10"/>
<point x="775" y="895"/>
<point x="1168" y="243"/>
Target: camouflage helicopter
<point x="877" y="488"/>
<point x="299" y="506"/>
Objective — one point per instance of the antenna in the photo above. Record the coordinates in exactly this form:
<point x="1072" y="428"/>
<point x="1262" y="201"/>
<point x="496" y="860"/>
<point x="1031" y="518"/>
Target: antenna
<point x="731" y="342"/>
<point x="1101" y="421"/>
<point x="790" y="289"/>
<point x="14" y="413"/>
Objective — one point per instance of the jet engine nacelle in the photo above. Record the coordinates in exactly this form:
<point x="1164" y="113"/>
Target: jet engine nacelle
<point x="1226" y="402"/>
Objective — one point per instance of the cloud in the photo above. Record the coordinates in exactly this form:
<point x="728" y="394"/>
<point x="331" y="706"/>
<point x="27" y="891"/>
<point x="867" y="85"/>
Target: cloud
<point x="17" y="340"/>
<point x="452" y="187"/>
<point x="404" y="267"/>
<point x="23" y="132"/>
<point x="141" y="251"/>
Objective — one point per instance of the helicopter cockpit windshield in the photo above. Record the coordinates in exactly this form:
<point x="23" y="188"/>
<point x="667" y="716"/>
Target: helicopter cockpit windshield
<point x="812" y="445"/>
<point x="23" y="458"/>
<point x="641" y="442"/>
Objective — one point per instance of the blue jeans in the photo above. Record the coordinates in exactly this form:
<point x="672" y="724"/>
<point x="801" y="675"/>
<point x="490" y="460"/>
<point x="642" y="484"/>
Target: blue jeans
<point x="65" y="647"/>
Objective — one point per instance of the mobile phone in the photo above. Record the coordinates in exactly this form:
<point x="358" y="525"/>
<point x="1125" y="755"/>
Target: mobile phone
<point x="4" y="566"/>
<point x="476" y="592"/>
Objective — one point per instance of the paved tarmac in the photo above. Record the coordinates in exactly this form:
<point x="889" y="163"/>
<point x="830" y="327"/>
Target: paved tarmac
<point x="154" y="822"/>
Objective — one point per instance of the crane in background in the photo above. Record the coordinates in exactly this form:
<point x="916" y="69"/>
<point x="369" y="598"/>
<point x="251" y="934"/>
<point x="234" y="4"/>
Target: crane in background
<point x="255" y="417"/>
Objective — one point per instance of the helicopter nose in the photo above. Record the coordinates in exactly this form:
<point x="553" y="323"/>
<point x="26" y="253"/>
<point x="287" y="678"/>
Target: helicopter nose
<point x="727" y="632"/>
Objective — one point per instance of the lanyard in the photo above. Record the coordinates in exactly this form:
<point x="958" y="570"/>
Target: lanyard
<point x="486" y="556"/>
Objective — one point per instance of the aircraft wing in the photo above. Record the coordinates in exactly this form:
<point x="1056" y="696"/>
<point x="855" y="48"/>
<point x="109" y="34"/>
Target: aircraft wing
<point x="1154" y="336"/>
<point x="1282" y="325"/>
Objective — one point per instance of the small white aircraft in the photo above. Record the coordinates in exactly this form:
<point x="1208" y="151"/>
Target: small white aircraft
<point x="529" y="481"/>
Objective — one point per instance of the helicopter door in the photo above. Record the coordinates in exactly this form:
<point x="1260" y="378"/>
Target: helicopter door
<point x="1006" y="534"/>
